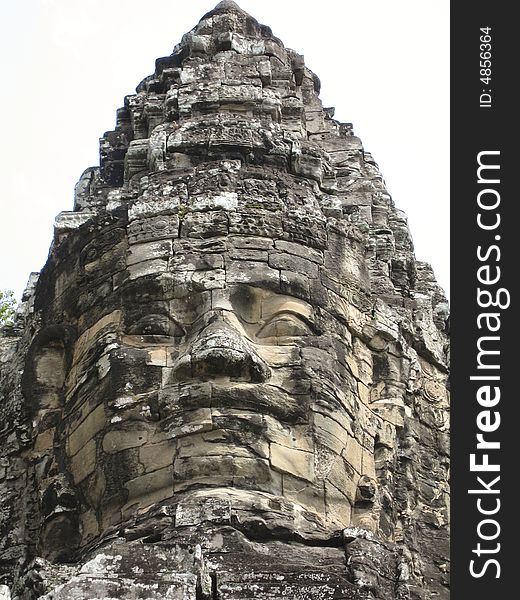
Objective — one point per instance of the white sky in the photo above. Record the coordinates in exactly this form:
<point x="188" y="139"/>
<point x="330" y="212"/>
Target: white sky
<point x="67" y="65"/>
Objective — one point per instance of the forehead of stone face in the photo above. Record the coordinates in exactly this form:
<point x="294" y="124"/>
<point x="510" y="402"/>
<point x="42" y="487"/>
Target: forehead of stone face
<point x="258" y="210"/>
<point x="203" y="228"/>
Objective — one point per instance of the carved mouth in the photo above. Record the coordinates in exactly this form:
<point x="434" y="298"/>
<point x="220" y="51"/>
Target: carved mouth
<point x="177" y="399"/>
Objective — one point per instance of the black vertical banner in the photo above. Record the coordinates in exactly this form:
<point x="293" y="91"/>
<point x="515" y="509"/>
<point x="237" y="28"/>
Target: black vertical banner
<point x="485" y="256"/>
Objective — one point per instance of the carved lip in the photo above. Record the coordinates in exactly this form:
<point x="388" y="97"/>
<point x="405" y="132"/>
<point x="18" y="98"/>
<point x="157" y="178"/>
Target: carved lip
<point x="262" y="398"/>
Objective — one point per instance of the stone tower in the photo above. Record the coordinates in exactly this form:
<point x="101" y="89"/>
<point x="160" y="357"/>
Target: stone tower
<point x="229" y="381"/>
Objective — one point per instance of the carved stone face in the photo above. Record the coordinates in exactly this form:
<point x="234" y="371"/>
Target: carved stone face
<point x="221" y="362"/>
<point x="231" y="347"/>
<point x="213" y="377"/>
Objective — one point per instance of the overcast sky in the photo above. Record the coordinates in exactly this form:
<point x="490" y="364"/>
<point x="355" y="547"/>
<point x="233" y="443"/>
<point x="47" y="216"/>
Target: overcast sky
<point x="67" y="65"/>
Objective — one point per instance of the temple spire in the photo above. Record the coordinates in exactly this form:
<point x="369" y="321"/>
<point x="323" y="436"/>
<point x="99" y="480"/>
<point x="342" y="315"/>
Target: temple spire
<point x="226" y="6"/>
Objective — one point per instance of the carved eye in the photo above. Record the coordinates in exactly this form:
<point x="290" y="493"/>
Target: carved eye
<point x="156" y="329"/>
<point x="284" y="325"/>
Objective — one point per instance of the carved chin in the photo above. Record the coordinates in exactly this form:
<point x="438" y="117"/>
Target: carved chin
<point x="212" y="434"/>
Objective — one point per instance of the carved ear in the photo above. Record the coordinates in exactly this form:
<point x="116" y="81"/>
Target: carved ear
<point x="48" y="360"/>
<point x="47" y="363"/>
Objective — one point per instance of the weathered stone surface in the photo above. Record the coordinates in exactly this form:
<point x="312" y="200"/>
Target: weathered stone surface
<point x="229" y="381"/>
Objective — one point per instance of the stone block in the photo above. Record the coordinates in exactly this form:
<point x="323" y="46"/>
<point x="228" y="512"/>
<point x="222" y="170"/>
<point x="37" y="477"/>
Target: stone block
<point x="309" y="254"/>
<point x="252" y="273"/>
<point x="139" y="253"/>
<point x="294" y="264"/>
<point x="251" y="242"/>
<point x="338" y="506"/>
<point x="279" y="356"/>
<point x="158" y="357"/>
<point x="198" y="445"/>
<point x="91" y="425"/>
<point x="344" y="478"/>
<point x="304" y="493"/>
<point x="153" y="228"/>
<point x="44" y="440"/>
<point x="252" y="473"/>
<point x="105" y="324"/>
<point x="151" y="487"/>
<point x="330" y="433"/>
<point x="295" y="462"/>
<point x="353" y="454"/>
<point x="122" y="439"/>
<point x="147" y="267"/>
<point x="227" y="201"/>
<point x="203" y="225"/>
<point x="83" y="463"/>
<point x="368" y="467"/>
<point x="196" y="509"/>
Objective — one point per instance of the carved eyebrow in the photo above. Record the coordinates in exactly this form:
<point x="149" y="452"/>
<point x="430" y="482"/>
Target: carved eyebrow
<point x="287" y="323"/>
<point x="158" y="321"/>
<point x="307" y="320"/>
<point x="277" y="305"/>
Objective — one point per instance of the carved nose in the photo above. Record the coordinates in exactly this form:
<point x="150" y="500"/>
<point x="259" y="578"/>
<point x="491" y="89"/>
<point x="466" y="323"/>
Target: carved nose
<point x="220" y="351"/>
